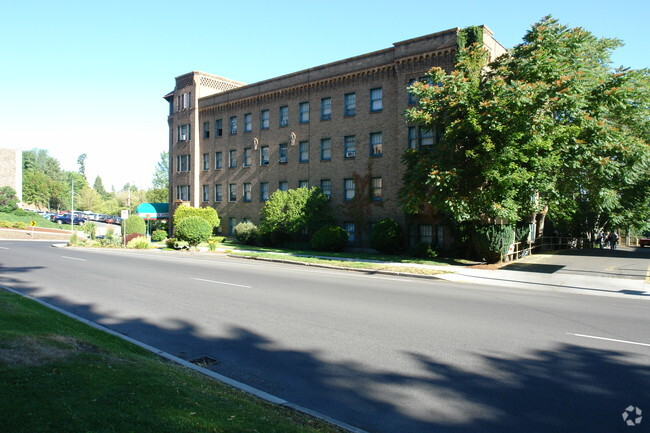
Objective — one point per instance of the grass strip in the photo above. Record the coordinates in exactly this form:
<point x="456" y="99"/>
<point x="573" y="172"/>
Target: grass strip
<point x="60" y="375"/>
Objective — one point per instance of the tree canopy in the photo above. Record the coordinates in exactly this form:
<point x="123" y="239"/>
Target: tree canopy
<point x="548" y="127"/>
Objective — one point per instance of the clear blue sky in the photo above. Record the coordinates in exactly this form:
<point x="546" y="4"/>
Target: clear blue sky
<point x="88" y="77"/>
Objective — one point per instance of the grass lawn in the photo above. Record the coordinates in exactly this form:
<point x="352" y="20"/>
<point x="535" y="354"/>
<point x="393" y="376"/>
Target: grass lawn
<point x="59" y="375"/>
<point x="27" y="219"/>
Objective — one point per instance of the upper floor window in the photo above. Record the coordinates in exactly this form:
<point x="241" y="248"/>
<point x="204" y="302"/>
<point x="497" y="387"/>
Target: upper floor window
<point x="233" y="125"/>
<point x="350" y="104"/>
<point x="304" y="112"/>
<point x="248" y="122"/>
<point x="376" y="144"/>
<point x="376" y="189"/>
<point x="232" y="192"/>
<point x="284" y="116"/>
<point x="376" y="103"/>
<point x="350" y="146"/>
<point x="206" y="193"/>
<point x="183" y="192"/>
<point x="184" y="133"/>
<point x="184" y="101"/>
<point x="326" y="187"/>
<point x="303" y="184"/>
<point x="218" y="128"/>
<point x="232" y="158"/>
<point x="348" y="189"/>
<point x="248" y="192"/>
<point x="283" y="185"/>
<point x="325" y="108"/>
<point x="412" y="137"/>
<point x="283" y="153"/>
<point x="206" y="161"/>
<point x="264" y="119"/>
<point x="218" y="160"/>
<point x="326" y="149"/>
<point x="206" y="129"/>
<point x="218" y="192"/>
<point x="264" y="155"/>
<point x="264" y="191"/>
<point x="182" y="162"/>
<point x="247" y="157"/>
<point x="303" y="149"/>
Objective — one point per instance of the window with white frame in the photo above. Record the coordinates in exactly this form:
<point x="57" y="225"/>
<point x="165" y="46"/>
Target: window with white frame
<point x="264" y="155"/>
<point x="248" y="192"/>
<point x="303" y="184"/>
<point x="183" y="192"/>
<point x="218" y="128"/>
<point x="218" y="160"/>
<point x="376" y="189"/>
<point x="248" y="159"/>
<point x="283" y="153"/>
<point x="264" y="119"/>
<point x="248" y="122"/>
<point x="283" y="185"/>
<point x="350" y="104"/>
<point x="350" y="146"/>
<point x="232" y="158"/>
<point x="376" y="103"/>
<point x="326" y="109"/>
<point x="284" y="116"/>
<point x="184" y="133"/>
<point x="325" y="149"/>
<point x="303" y="150"/>
<point x="183" y="163"/>
<point x="376" y="144"/>
<point x="218" y="192"/>
<point x="348" y="189"/>
<point x="304" y="112"/>
<point x="206" y="161"/>
<point x="264" y="191"/>
<point x="232" y="192"/>
<point x="206" y="129"/>
<point x="233" y="125"/>
<point x="206" y="193"/>
<point x="326" y="187"/>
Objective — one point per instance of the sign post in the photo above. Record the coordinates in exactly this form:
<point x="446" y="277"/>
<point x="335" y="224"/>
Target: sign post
<point x="124" y="214"/>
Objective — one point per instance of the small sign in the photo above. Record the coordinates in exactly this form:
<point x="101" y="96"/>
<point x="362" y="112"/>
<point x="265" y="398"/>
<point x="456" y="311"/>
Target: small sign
<point x="124" y="214"/>
<point x="33" y="224"/>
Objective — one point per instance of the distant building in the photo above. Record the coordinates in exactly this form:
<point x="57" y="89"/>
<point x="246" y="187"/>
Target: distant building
<point x="11" y="170"/>
<point x="339" y="126"/>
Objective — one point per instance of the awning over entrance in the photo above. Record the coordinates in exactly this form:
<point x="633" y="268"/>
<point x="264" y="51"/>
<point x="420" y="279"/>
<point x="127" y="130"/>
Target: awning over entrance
<point x="153" y="211"/>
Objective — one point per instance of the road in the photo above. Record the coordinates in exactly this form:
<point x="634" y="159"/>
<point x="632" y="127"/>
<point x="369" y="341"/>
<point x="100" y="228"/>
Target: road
<point x="382" y="353"/>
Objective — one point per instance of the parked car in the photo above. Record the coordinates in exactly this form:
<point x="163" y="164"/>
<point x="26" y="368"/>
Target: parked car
<point x="65" y="219"/>
<point x="644" y="242"/>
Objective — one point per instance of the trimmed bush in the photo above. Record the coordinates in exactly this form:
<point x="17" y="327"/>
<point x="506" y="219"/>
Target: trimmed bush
<point x="140" y="243"/>
<point x="89" y="229"/>
<point x="214" y="241"/>
<point x="207" y="213"/>
<point x="386" y="237"/>
<point x="491" y="242"/>
<point x="134" y="224"/>
<point x="159" y="235"/>
<point x="20" y="225"/>
<point x="193" y="230"/>
<point x="128" y="238"/>
<point x="423" y="250"/>
<point x="246" y="233"/>
<point x="329" y="238"/>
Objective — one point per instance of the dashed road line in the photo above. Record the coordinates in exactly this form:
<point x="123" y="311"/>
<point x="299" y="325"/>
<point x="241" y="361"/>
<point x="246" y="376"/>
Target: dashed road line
<point x="222" y="282"/>
<point x="609" y="339"/>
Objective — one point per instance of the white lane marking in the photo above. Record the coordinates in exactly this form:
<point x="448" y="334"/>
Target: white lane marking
<point x="221" y="282"/>
<point x="609" y="339"/>
<point x="74" y="258"/>
<point x="4" y="248"/>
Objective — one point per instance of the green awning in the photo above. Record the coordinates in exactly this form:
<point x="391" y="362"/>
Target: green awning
<point x="153" y="211"/>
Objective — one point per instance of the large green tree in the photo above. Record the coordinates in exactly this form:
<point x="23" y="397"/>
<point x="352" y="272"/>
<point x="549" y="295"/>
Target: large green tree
<point x="160" y="191"/>
<point x="548" y="128"/>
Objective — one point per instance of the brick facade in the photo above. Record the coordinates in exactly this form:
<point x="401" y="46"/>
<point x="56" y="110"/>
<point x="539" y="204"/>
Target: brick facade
<point x="11" y="170"/>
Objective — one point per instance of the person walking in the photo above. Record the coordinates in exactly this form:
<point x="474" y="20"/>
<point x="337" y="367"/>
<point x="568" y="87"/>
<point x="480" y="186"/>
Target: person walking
<point x="601" y="239"/>
<point x="614" y="240"/>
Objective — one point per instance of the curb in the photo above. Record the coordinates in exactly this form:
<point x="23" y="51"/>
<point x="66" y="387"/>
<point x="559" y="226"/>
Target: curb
<point x="204" y="371"/>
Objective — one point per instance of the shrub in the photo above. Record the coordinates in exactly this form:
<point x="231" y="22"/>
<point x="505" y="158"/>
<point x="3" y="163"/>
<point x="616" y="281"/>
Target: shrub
<point x="110" y="233"/>
<point x="89" y="229"/>
<point x="134" y="224"/>
<point x="207" y="213"/>
<point x="74" y="239"/>
<point x="19" y="225"/>
<point x="159" y="235"/>
<point x="128" y="238"/>
<point x="386" y="237"/>
<point x="193" y="230"/>
<point x="246" y="233"/>
<point x="8" y="199"/>
<point x="491" y="242"/>
<point x="140" y="242"/>
<point x="214" y="241"/>
<point x="423" y="250"/>
<point x="111" y="242"/>
<point x="329" y="238"/>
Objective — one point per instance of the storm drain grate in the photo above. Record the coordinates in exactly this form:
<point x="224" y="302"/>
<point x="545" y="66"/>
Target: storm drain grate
<point x="204" y="361"/>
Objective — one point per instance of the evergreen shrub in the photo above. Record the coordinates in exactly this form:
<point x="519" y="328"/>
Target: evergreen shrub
<point x="387" y="236"/>
<point x="193" y="230"/>
<point x="246" y="233"/>
<point x="329" y="238"/>
<point x="159" y="235"/>
<point x="134" y="224"/>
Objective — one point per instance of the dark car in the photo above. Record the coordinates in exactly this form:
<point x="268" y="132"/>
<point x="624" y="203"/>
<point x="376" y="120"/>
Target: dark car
<point x="644" y="242"/>
<point x="65" y="219"/>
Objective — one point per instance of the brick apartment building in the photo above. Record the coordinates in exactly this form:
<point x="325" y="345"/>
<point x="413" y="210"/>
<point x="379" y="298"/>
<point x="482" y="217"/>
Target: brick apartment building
<point x="339" y="126"/>
<point x="11" y="170"/>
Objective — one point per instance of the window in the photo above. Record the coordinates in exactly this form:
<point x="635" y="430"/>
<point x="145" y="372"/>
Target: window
<point x="232" y="158"/>
<point x="412" y="138"/>
<point x="218" y="192"/>
<point x="418" y="137"/>
<point x="376" y="190"/>
<point x="264" y="155"/>
<point x="233" y="125"/>
<point x="376" y="145"/>
<point x="218" y="128"/>
<point x="350" y="104"/>
<point x="283" y="153"/>
<point x="348" y="189"/>
<point x="325" y="149"/>
<point x="411" y="97"/>
<point x="283" y="185"/>
<point x="206" y="192"/>
<point x="284" y="116"/>
<point x="326" y="187"/>
<point x="218" y="160"/>
<point x="326" y="109"/>
<point x="426" y="233"/>
<point x="303" y="184"/>
<point x="426" y="137"/>
<point x="304" y="112"/>
<point x="350" y="146"/>
<point x="206" y="129"/>
<point x="247" y="157"/>
<point x="303" y="149"/>
<point x="264" y="191"/>
<point x="183" y="163"/>
<point x="232" y="222"/>
<point x="264" y="119"/>
<point x="248" y="192"/>
<point x="184" y="101"/>
<point x="184" y="133"/>
<point x="376" y="100"/>
<point x="232" y="192"/>
<point x="206" y="161"/>
<point x="349" y="227"/>
<point x="248" y="122"/>
<point x="183" y="192"/>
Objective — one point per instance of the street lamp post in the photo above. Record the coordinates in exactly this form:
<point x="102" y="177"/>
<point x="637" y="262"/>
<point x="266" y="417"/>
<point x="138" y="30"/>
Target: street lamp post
<point x="72" y="207"/>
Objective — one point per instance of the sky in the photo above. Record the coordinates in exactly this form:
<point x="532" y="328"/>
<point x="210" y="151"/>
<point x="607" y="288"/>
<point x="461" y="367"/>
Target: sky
<point x="89" y="77"/>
